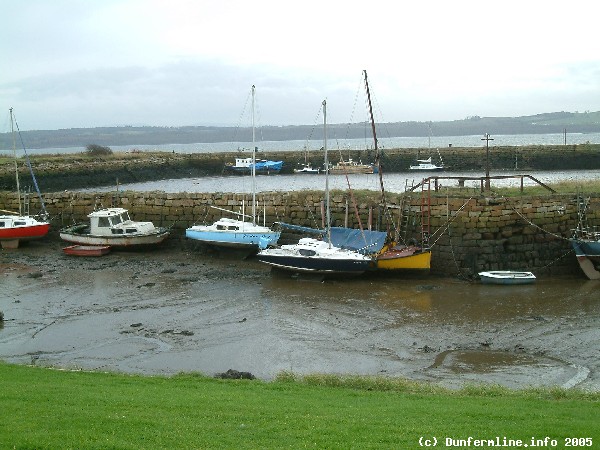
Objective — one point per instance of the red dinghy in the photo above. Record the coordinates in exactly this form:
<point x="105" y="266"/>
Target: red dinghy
<point x="87" y="250"/>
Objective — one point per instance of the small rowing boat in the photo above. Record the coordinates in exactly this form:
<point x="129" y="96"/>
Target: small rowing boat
<point x="506" y="277"/>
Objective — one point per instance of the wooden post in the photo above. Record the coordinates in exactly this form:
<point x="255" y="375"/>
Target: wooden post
<point x="346" y="215"/>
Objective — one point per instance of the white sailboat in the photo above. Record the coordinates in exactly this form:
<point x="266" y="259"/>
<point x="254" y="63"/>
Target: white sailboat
<point x="427" y="165"/>
<point x="317" y="256"/>
<point x="237" y="233"/>
<point x="307" y="167"/>
<point x="17" y="226"/>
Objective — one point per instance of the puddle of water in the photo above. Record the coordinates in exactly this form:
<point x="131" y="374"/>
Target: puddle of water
<point x="462" y="361"/>
<point x="515" y="370"/>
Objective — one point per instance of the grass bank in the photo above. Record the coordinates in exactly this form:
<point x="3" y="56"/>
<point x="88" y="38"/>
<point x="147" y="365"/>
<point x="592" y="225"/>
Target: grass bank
<point x="45" y="408"/>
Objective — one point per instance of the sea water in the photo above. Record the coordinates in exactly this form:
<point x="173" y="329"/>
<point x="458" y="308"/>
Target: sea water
<point x="349" y="144"/>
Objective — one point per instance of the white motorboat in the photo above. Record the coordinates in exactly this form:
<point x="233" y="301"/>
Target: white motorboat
<point x="113" y="227"/>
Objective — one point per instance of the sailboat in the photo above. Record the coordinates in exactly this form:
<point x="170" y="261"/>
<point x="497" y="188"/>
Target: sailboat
<point x="17" y="226"/>
<point x="237" y="233"/>
<point x="394" y="256"/>
<point x="428" y="165"/>
<point x="307" y="167"/>
<point x="316" y="256"/>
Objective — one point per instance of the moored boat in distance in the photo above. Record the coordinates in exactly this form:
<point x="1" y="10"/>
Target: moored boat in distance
<point x="113" y="227"/>
<point x="507" y="277"/>
<point x="351" y="166"/>
<point x="427" y="165"/>
<point x="308" y="169"/>
<point x="263" y="166"/>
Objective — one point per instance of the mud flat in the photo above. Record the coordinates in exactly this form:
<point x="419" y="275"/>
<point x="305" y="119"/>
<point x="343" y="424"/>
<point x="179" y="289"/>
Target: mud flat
<point x="177" y="309"/>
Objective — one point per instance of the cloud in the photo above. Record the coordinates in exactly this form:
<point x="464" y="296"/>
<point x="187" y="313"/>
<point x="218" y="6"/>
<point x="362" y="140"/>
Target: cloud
<point x="68" y="63"/>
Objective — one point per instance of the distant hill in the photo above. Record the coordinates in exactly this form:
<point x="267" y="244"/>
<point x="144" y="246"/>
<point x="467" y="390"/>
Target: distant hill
<point x="557" y="122"/>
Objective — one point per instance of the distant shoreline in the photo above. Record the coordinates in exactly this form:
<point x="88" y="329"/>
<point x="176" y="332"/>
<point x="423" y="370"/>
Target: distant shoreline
<point x="550" y="123"/>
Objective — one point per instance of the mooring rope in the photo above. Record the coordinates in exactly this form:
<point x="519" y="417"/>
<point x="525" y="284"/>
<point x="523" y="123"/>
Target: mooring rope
<point x="448" y="221"/>
<point x="558" y="236"/>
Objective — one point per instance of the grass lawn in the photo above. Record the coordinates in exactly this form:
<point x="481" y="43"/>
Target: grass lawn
<point x="47" y="408"/>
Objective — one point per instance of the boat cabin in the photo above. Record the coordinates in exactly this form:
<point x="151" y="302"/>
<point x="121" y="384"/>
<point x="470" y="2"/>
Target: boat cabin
<point x="227" y="224"/>
<point x="15" y="221"/>
<point x="243" y="162"/>
<point x="111" y="221"/>
<point x="224" y="227"/>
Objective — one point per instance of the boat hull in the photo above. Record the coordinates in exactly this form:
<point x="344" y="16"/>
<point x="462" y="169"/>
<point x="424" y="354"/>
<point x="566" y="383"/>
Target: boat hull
<point x="77" y="235"/>
<point x="319" y="266"/>
<point x="25" y="233"/>
<point x="308" y="171"/>
<point x="237" y="240"/>
<point x="86" y="250"/>
<point x="588" y="257"/>
<point x="351" y="169"/>
<point x="11" y="236"/>
<point x="431" y="168"/>
<point x="248" y="171"/>
<point x="404" y="261"/>
<point x="507" y="277"/>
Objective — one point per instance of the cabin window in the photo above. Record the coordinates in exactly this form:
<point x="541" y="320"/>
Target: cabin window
<point x="305" y="252"/>
<point x="116" y="220"/>
<point x="103" y="222"/>
<point x="125" y="216"/>
<point x="19" y="223"/>
<point x="117" y="231"/>
<point x="2" y="225"/>
<point x="233" y="228"/>
<point x="221" y="227"/>
<point x="131" y="230"/>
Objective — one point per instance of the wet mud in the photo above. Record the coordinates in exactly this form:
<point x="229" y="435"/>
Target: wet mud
<point x="174" y="310"/>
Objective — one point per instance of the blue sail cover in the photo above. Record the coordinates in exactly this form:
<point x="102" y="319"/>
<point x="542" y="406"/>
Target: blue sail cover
<point x="269" y="165"/>
<point x="364" y="242"/>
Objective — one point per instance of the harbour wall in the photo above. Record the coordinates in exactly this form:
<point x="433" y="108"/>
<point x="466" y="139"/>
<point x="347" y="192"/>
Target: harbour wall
<point x="87" y="171"/>
<point x="467" y="234"/>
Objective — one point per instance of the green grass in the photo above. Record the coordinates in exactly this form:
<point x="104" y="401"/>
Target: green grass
<point x="46" y="408"/>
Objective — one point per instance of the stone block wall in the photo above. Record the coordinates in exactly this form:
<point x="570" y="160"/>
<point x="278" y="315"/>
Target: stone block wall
<point x="467" y="235"/>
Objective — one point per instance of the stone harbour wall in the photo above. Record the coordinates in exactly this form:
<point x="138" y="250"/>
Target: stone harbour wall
<point x="467" y="234"/>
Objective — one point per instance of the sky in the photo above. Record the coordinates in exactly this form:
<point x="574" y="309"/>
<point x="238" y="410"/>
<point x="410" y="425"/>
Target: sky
<point x="95" y="63"/>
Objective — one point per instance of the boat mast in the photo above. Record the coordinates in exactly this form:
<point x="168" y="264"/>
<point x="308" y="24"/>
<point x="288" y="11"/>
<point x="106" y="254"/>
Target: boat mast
<point x="12" y="130"/>
<point x="253" y="163"/>
<point x="377" y="155"/>
<point x="327" y="213"/>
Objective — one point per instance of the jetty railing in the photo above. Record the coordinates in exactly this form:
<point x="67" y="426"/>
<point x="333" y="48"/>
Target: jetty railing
<point x="482" y="180"/>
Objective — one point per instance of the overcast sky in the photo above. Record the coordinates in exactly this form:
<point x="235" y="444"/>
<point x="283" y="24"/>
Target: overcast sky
<point x="84" y="63"/>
